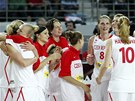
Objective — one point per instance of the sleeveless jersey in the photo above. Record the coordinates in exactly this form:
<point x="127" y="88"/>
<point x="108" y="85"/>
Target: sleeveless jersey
<point x="5" y="76"/>
<point x="22" y="76"/>
<point x="43" y="76"/>
<point x="123" y="72"/>
<point x="99" y="53"/>
<point x="5" y="80"/>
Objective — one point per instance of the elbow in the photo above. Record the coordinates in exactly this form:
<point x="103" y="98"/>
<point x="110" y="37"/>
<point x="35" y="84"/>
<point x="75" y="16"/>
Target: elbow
<point x="23" y="65"/>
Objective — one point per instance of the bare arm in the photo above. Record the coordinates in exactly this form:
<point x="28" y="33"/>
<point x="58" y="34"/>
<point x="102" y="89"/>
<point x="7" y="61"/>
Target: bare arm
<point x="2" y="37"/>
<point x="17" y="57"/>
<point x="3" y="47"/>
<point x="53" y="56"/>
<point x="90" y="56"/>
<point x="27" y="46"/>
<point x="106" y="62"/>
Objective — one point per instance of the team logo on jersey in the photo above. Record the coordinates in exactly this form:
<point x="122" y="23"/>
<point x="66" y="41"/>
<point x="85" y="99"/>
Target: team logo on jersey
<point x="98" y="64"/>
<point x="46" y="74"/>
<point x="77" y="65"/>
<point x="79" y="78"/>
<point x="110" y="66"/>
<point x="95" y="40"/>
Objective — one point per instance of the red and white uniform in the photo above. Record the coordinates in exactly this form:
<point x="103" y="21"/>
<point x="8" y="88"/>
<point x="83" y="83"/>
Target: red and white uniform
<point x="5" y="77"/>
<point x="71" y="65"/>
<point x="54" y="82"/>
<point x="99" y="53"/>
<point x="123" y="72"/>
<point x="26" y="85"/>
<point x="63" y="43"/>
<point x="42" y="75"/>
<point x="5" y="92"/>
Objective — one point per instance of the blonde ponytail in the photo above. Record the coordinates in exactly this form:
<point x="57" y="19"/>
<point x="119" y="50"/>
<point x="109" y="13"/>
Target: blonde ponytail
<point x="124" y="29"/>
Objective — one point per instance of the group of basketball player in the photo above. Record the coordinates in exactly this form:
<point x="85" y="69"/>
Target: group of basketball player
<point x="38" y="64"/>
<point x="112" y="54"/>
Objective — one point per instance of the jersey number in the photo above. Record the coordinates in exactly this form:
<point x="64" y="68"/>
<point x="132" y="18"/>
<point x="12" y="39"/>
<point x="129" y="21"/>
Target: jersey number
<point x="125" y="54"/>
<point x="102" y="55"/>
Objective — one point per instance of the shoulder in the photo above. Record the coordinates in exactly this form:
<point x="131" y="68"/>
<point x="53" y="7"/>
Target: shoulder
<point x="91" y="39"/>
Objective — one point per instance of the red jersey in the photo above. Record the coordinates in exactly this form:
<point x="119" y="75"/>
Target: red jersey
<point x="63" y="43"/>
<point x="71" y="64"/>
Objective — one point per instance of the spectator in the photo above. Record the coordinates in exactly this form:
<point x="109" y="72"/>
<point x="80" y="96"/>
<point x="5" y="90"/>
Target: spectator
<point x="41" y="22"/>
<point x="121" y="7"/>
<point x="56" y="7"/>
<point x="3" y="5"/>
<point x="35" y="8"/>
<point x="132" y="8"/>
<point x="108" y="4"/>
<point x="17" y="8"/>
<point x="70" y="25"/>
<point x="69" y="6"/>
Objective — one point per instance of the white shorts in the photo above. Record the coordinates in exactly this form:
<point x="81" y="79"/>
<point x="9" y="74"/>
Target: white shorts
<point x="54" y="86"/>
<point x="28" y="94"/>
<point x="115" y="96"/>
<point x="5" y="94"/>
<point x="99" y="92"/>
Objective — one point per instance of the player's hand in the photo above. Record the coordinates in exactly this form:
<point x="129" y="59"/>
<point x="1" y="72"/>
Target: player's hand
<point x="89" y="98"/>
<point x="27" y="46"/>
<point x="86" y="88"/>
<point x="55" y="56"/>
<point x="98" y="81"/>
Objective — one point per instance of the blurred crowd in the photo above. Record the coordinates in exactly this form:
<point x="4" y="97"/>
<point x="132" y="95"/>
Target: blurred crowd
<point x="31" y="9"/>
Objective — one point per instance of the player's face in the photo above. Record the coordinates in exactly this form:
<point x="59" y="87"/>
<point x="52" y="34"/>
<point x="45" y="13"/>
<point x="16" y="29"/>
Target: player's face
<point x="115" y="24"/>
<point x="43" y="36"/>
<point x="57" y="30"/>
<point x="104" y="25"/>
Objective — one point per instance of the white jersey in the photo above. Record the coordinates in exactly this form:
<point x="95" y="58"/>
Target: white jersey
<point x="43" y="76"/>
<point x="5" y="70"/>
<point x="5" y="92"/>
<point x="22" y="76"/>
<point x="123" y="72"/>
<point x="99" y="53"/>
<point x="5" y="76"/>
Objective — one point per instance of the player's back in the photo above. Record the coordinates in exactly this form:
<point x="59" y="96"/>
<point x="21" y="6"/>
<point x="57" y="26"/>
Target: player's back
<point x="124" y="65"/>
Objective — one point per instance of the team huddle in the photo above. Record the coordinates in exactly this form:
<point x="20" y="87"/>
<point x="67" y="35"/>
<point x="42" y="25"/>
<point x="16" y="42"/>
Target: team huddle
<point x="39" y="64"/>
